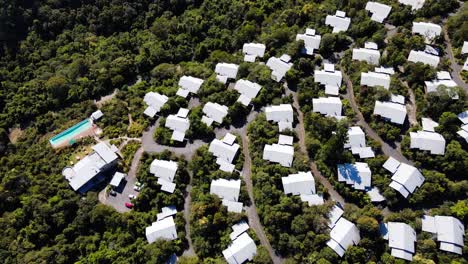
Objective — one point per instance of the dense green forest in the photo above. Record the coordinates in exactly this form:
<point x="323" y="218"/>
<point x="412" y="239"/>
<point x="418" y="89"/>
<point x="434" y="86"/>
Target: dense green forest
<point x="59" y="57"/>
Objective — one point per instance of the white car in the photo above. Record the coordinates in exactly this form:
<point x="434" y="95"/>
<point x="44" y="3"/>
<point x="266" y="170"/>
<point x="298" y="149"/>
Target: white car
<point x="137" y="187"/>
<point x="131" y="196"/>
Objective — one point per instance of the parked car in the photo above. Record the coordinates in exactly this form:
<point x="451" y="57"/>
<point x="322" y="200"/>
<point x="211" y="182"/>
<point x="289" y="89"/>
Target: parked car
<point x="138" y="187"/>
<point x="137" y="183"/>
<point x="113" y="193"/>
<point x="129" y="205"/>
<point x="131" y="196"/>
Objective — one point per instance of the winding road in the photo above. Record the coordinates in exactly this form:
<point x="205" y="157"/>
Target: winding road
<point x="386" y="148"/>
<point x="252" y="214"/>
<point x="454" y="66"/>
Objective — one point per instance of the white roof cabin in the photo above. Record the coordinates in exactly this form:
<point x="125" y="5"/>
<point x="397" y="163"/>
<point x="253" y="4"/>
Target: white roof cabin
<point x="424" y="57"/>
<point x="252" y="51"/>
<point x="165" y="169"/>
<point x="224" y="149"/>
<point x="117" y="179"/>
<point x="463" y="116"/>
<point x="375" y="195"/>
<point x="374" y="79"/>
<point x="343" y="235"/>
<point x="370" y="53"/>
<point x="300" y="183"/>
<point x="449" y="231"/>
<point x="401" y="238"/>
<point x="358" y="175"/>
<point x="226" y="189"/>
<point x="238" y="229"/>
<point x="166" y="186"/>
<point x="329" y="106"/>
<point x="415" y="4"/>
<point x="96" y="115"/>
<point x="154" y="101"/>
<point x="339" y="21"/>
<point x="394" y="112"/>
<point x="330" y="78"/>
<point x="179" y="123"/>
<point x="214" y="112"/>
<point x="282" y="114"/>
<point x="334" y="215"/>
<point x="189" y="84"/>
<point x="233" y="207"/>
<point x="102" y="158"/>
<point x="465" y="66"/>
<point x="465" y="47"/>
<point x="166" y="212"/>
<point x="226" y="71"/>
<point x="280" y="153"/>
<point x="379" y="11"/>
<point x="248" y="91"/>
<point x="443" y="78"/>
<point x="429" y="124"/>
<point x="405" y="179"/>
<point x="311" y="40"/>
<point x="428" y="30"/>
<point x="243" y="248"/>
<point x="386" y="70"/>
<point x="312" y="199"/>
<point x="163" y="229"/>
<point x="279" y="66"/>
<point x="430" y="141"/>
<point x="356" y="137"/>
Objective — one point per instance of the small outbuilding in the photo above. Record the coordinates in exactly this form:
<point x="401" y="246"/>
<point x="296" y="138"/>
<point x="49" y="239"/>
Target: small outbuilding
<point x="339" y="21"/>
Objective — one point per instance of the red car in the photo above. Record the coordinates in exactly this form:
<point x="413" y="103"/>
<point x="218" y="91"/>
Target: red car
<point x="129" y="205"/>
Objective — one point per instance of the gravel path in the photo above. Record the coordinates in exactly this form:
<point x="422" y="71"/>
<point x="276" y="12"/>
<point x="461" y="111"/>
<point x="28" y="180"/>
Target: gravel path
<point x="454" y="66"/>
<point x="252" y="214"/>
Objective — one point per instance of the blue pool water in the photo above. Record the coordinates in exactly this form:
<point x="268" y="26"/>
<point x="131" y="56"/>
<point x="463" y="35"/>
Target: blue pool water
<point x="70" y="134"/>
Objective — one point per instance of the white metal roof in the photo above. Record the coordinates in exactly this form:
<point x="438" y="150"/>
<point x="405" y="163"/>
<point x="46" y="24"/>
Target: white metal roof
<point x="443" y="78"/>
<point x="330" y="106"/>
<point x="358" y="175"/>
<point x="253" y="50"/>
<point x="396" y="113"/>
<point x="300" y="183"/>
<point x="165" y="169"/>
<point x="311" y="40"/>
<point x="280" y="113"/>
<point x="463" y="116"/>
<point x="226" y="189"/>
<point x="328" y="76"/>
<point x="371" y="56"/>
<point x="177" y="123"/>
<point x="401" y="237"/>
<point x="379" y="11"/>
<point x="278" y="67"/>
<point x="116" y="179"/>
<point x="208" y="121"/>
<point x="285" y="140"/>
<point x="423" y="57"/>
<point x="339" y="21"/>
<point x="415" y="4"/>
<point x="228" y="70"/>
<point x="375" y="195"/>
<point x="374" y="79"/>
<point x="154" y="101"/>
<point x="386" y="70"/>
<point x="226" y="152"/>
<point x="334" y="215"/>
<point x="281" y="154"/>
<point x="163" y="229"/>
<point x="449" y="230"/>
<point x="247" y="89"/>
<point x="427" y="30"/>
<point x="391" y="164"/>
<point x="215" y="111"/>
<point x="190" y="83"/>
<point x="431" y="141"/>
<point x="96" y="115"/>
<point x="233" y="207"/>
<point x="356" y="137"/>
<point x="343" y="235"/>
<point x="166" y="212"/>
<point x="166" y="186"/>
<point x="106" y="153"/>
<point x="312" y="199"/>
<point x="243" y="248"/>
<point x="238" y="229"/>
<point x="428" y="124"/>
<point x="406" y="179"/>
<point x="465" y="47"/>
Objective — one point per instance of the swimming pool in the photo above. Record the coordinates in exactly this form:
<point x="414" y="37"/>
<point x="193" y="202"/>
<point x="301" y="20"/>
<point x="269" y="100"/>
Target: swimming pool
<point x="68" y="136"/>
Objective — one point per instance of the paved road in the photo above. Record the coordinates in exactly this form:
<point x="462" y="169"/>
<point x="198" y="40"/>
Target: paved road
<point x="254" y="220"/>
<point x="411" y="107"/>
<point x="455" y="67"/>
<point x="387" y="149"/>
<point x="334" y="195"/>
<point x="190" y="252"/>
<point x="118" y="201"/>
